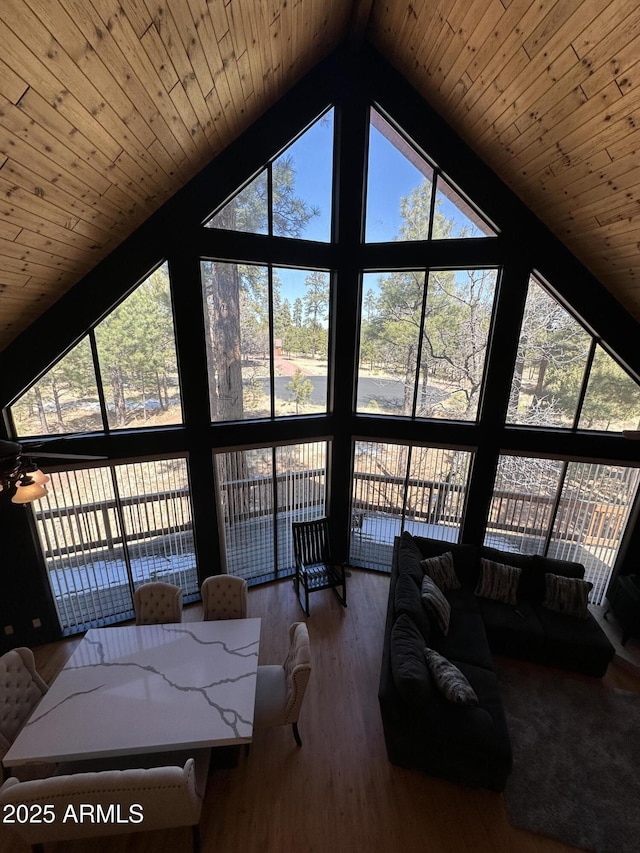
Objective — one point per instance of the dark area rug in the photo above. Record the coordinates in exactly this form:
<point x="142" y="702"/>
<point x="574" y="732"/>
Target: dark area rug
<point x="576" y="748"/>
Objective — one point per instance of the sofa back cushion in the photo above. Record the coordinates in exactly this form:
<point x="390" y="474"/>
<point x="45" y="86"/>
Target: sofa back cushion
<point x="407" y="601"/>
<point x="533" y="583"/>
<point x="409" y="668"/>
<point x="409" y="557"/>
<point x="465" y="557"/>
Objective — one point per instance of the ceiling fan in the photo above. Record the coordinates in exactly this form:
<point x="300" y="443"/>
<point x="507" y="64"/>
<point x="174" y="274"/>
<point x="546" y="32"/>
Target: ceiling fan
<point x="19" y="472"/>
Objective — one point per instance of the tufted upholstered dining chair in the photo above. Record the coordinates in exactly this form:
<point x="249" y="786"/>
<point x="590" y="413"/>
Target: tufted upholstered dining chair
<point x="21" y="688"/>
<point x="135" y="800"/>
<point x="280" y="689"/>
<point x="224" y="597"/>
<point x="157" y="602"/>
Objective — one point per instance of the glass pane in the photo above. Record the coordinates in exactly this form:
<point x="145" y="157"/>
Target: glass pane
<point x="302" y="180"/>
<point x="379" y="481"/>
<point x="137" y="356"/>
<point x="301" y="471"/>
<point x="64" y="401"/>
<point x="550" y="366"/>
<point x="82" y="544"/>
<point x="390" y="331"/>
<point x="436" y="492"/>
<point x="399" y="186"/>
<point x="245" y="482"/>
<point x="236" y="303"/>
<point x="157" y="519"/>
<point x="612" y="399"/>
<point x="522" y="505"/>
<point x="301" y="341"/>
<point x="454" y="217"/>
<point x="247" y="211"/>
<point x="454" y="346"/>
<point x="592" y="516"/>
<point x="395" y="488"/>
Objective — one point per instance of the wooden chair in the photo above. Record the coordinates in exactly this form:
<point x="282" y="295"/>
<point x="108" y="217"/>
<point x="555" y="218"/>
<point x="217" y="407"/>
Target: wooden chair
<point x="281" y="689"/>
<point x="315" y="567"/>
<point x="224" y="597"/>
<point x="157" y="602"/>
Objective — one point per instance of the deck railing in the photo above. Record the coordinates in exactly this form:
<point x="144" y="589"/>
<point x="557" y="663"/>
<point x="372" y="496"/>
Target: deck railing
<point x="93" y="562"/>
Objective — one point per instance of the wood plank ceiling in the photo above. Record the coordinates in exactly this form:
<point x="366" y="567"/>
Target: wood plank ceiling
<point x="107" y="107"/>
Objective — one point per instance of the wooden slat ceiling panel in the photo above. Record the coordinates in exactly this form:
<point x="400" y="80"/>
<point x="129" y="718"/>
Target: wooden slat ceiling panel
<point x="107" y="107"/>
<point x="547" y="93"/>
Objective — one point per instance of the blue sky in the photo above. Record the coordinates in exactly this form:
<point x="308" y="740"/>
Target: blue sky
<point x="392" y="176"/>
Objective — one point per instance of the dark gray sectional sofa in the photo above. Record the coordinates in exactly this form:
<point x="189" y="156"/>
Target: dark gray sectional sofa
<point x="423" y="729"/>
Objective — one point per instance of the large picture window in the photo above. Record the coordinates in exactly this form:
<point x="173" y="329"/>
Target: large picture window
<point x="567" y="510"/>
<point x="105" y="530"/>
<point x="267" y="340"/>
<point x="261" y="492"/>
<point x="563" y="378"/>
<point x="123" y="375"/>
<point x="400" y="487"/>
<point x="292" y="196"/>
<point x="423" y="342"/>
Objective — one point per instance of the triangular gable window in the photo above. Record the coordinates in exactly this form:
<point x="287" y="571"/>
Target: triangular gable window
<point x="292" y="196"/>
<point x="400" y="194"/>
<point x="65" y="400"/>
<point x="136" y="354"/>
<point x="612" y="399"/>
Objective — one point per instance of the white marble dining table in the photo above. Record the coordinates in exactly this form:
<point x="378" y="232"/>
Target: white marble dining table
<point x="129" y="690"/>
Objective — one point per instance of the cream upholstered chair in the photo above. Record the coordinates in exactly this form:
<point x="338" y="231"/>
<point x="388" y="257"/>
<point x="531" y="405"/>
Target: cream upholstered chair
<point x="21" y="688"/>
<point x="157" y="602"/>
<point x="132" y="800"/>
<point x="280" y="689"/>
<point x="224" y="597"/>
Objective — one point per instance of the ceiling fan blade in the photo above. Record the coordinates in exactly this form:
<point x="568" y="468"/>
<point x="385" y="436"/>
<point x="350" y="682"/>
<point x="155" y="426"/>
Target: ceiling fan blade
<point x="38" y="455"/>
<point x="633" y="434"/>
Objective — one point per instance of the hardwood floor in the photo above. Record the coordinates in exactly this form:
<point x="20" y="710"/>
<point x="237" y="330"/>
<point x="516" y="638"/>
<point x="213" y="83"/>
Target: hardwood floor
<point x="338" y="793"/>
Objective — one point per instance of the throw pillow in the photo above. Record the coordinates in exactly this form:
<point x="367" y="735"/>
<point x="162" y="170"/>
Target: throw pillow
<point x="567" y="595"/>
<point x="498" y="582"/>
<point x="442" y="571"/>
<point x="435" y="601"/>
<point x="452" y="683"/>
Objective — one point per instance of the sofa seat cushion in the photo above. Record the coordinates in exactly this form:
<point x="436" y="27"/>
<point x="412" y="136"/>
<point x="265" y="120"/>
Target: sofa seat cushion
<point x="477" y="732"/>
<point x="462" y="600"/>
<point x="513" y="631"/>
<point x="576" y="643"/>
<point x="466" y="640"/>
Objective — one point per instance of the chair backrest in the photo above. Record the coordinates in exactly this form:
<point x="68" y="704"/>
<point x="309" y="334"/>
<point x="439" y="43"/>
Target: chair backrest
<point x="297" y="667"/>
<point x="157" y="798"/>
<point x="21" y="688"/>
<point x="157" y="602"/>
<point x="311" y="542"/>
<point x="224" y="597"/>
